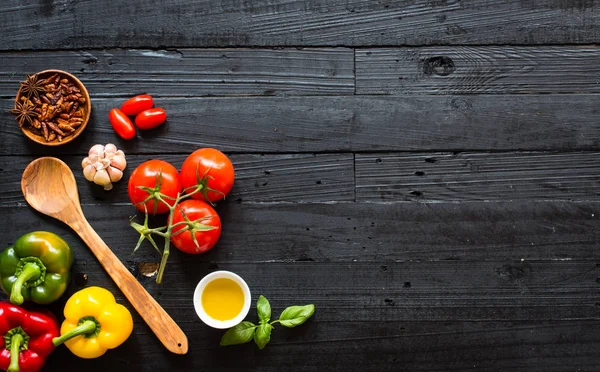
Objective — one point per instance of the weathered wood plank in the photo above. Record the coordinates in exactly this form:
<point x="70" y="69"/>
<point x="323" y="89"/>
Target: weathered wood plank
<point x="478" y="70"/>
<point x="441" y="291"/>
<point x="364" y="232"/>
<point x="478" y="176"/>
<point x="415" y="346"/>
<point x="102" y="23"/>
<point x="192" y="72"/>
<point x="419" y="177"/>
<point x="344" y="124"/>
<point x="259" y="178"/>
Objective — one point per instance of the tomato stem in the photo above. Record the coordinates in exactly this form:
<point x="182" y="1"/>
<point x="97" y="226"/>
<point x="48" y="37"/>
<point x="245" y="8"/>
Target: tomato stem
<point x="167" y="236"/>
<point x="163" y="261"/>
<point x="165" y="232"/>
<point x="179" y="224"/>
<point x="159" y="233"/>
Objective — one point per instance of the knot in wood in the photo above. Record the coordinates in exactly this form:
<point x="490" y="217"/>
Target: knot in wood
<point x="439" y="65"/>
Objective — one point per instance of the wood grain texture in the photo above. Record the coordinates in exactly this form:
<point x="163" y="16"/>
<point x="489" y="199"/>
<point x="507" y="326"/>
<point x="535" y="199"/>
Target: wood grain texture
<point x="108" y="23"/>
<point x="484" y="284"/>
<point x="415" y="346"/>
<point x="50" y="188"/>
<point x="478" y="176"/>
<point x="345" y="124"/>
<point x="423" y="171"/>
<point x="361" y="232"/>
<point x="192" y="72"/>
<point x="258" y="178"/>
<point x="478" y="70"/>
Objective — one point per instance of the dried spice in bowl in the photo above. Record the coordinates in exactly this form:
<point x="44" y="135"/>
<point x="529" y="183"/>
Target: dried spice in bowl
<point x="52" y="107"/>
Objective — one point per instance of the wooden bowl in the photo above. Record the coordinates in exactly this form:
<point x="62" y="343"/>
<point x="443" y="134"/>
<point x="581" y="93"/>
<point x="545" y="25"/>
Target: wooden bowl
<point x="87" y="109"/>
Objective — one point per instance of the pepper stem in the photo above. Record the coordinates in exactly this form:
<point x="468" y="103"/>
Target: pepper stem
<point x="85" y="328"/>
<point x="15" y="351"/>
<point x="30" y="270"/>
<point x="15" y="340"/>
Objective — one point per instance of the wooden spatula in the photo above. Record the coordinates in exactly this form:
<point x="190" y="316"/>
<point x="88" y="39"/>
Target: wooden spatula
<point x="49" y="187"/>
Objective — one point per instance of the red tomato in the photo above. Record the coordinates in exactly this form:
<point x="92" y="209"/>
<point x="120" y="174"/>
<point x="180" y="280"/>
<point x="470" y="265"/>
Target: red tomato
<point x="158" y="175"/>
<point x="206" y="229"/>
<point x="214" y="170"/>
<point x="150" y="118"/>
<point x="137" y="104"/>
<point x="121" y="124"/>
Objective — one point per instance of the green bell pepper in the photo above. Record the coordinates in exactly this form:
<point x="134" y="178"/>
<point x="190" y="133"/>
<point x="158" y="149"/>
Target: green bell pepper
<point x="36" y="268"/>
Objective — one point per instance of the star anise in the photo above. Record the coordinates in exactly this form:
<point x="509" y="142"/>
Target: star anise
<point x="32" y="86"/>
<point x="24" y="112"/>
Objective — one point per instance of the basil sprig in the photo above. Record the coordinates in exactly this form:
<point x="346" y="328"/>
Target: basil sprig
<point x="246" y="331"/>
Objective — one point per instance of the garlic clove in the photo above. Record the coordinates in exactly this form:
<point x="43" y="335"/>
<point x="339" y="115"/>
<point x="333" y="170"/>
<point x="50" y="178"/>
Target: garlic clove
<point x="115" y="174"/>
<point x="110" y="148"/>
<point x="94" y="158"/>
<point x="85" y="162"/>
<point x="97" y="150"/>
<point x="103" y="179"/>
<point x="89" y="172"/>
<point x="118" y="161"/>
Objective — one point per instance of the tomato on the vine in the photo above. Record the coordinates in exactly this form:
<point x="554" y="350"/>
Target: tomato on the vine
<point x="137" y="104"/>
<point x="157" y="176"/>
<point x="203" y="228"/>
<point x="210" y="168"/>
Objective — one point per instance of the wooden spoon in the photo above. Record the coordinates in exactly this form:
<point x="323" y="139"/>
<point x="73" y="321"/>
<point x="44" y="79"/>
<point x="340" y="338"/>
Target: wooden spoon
<point x="49" y="187"/>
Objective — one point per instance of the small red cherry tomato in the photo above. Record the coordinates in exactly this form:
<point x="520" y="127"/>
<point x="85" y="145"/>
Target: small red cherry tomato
<point x="150" y="118"/>
<point x="121" y="124"/>
<point x="137" y="104"/>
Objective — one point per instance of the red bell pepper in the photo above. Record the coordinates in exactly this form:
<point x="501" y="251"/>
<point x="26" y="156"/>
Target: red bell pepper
<point x="27" y="337"/>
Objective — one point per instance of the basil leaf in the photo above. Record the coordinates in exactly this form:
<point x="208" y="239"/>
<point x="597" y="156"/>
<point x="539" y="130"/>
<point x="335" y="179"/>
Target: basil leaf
<point x="262" y="336"/>
<point x="296" y="315"/>
<point x="240" y="334"/>
<point x="264" y="309"/>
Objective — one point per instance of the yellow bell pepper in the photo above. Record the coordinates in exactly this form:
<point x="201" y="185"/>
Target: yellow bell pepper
<point x="94" y="322"/>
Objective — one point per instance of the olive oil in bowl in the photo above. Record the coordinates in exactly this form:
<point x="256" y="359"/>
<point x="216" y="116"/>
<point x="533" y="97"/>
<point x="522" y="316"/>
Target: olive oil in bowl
<point x="222" y="299"/>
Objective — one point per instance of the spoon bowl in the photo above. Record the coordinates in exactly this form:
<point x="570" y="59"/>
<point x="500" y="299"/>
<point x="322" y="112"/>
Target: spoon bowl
<point x="50" y="188"/>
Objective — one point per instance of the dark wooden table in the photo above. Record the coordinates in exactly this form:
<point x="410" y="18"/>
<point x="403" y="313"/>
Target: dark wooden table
<point x="426" y="172"/>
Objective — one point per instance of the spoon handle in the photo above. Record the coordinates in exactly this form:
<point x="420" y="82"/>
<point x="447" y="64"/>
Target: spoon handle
<point x="163" y="326"/>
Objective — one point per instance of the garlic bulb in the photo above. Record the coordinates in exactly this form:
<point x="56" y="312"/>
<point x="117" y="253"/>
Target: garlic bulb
<point x="104" y="165"/>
